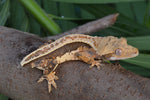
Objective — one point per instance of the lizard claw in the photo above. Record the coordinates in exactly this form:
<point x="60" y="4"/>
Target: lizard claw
<point x="50" y="78"/>
<point x="97" y="64"/>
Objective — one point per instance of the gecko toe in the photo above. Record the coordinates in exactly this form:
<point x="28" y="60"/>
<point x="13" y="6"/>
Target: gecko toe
<point x="41" y="79"/>
<point x="51" y="77"/>
<point x="97" y="64"/>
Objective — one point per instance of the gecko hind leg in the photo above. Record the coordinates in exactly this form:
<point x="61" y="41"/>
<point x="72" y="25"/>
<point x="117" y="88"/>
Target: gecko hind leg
<point x="50" y="78"/>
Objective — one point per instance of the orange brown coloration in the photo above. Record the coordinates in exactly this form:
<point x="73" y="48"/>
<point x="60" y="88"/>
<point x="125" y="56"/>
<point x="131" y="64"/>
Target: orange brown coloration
<point x="85" y="54"/>
<point x="99" y="48"/>
<point x="46" y="49"/>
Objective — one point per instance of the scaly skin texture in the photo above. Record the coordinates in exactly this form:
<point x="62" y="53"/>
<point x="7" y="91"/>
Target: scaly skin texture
<point x="109" y="48"/>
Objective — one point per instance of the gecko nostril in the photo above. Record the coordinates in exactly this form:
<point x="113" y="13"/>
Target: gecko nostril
<point x="136" y="51"/>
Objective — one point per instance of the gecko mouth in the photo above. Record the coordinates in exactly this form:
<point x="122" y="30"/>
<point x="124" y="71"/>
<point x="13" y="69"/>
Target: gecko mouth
<point x="121" y="58"/>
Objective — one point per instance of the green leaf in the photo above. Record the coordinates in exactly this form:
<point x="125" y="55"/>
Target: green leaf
<point x="147" y="16"/>
<point x="142" y="60"/>
<point x="3" y="97"/>
<point x="139" y="9"/>
<point x="18" y="18"/>
<point x="142" y="42"/>
<point x="85" y="14"/>
<point x="25" y="24"/>
<point x="41" y="16"/>
<point x="50" y="7"/>
<point x="95" y="1"/>
<point x="4" y="12"/>
<point x="125" y="9"/>
<point x="124" y="25"/>
<point x="70" y="18"/>
<point x="136" y="69"/>
<point x="34" y="26"/>
<point x="67" y="10"/>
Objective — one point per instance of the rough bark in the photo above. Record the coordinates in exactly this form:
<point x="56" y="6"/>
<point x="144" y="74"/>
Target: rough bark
<point x="76" y="81"/>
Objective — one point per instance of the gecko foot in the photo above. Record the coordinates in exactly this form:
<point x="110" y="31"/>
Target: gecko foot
<point x="50" y="78"/>
<point x="97" y="64"/>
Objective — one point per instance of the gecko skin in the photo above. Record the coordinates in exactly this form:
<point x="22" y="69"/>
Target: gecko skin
<point x="109" y="48"/>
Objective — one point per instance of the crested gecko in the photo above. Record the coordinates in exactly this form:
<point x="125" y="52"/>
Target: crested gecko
<point x="95" y="50"/>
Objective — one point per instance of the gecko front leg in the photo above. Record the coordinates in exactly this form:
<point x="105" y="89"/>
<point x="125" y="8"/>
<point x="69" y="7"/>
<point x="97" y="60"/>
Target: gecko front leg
<point x="88" y="55"/>
<point x="89" y="59"/>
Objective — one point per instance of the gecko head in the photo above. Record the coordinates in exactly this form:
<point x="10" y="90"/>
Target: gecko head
<point x="118" y="49"/>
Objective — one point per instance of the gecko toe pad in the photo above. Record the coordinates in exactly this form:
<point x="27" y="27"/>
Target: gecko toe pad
<point x="50" y="78"/>
<point x="97" y="64"/>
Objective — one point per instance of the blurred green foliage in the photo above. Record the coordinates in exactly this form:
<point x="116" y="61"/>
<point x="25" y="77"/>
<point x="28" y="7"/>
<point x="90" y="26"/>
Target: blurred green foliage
<point x="3" y="97"/>
<point x="49" y="17"/>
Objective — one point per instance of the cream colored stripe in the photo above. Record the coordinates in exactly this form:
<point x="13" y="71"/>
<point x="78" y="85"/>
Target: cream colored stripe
<point x="67" y="41"/>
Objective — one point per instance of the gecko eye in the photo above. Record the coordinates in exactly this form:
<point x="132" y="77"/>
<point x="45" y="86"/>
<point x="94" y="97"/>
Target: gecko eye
<point x="118" y="52"/>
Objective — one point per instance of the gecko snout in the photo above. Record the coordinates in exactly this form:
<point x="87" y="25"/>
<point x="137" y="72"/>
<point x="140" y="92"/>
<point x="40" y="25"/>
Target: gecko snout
<point x="136" y="52"/>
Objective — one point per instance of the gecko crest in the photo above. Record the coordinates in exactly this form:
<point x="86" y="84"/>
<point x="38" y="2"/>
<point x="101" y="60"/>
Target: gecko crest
<point x="108" y="48"/>
<point x="46" y="49"/>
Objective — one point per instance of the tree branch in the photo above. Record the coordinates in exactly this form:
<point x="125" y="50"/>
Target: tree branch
<point x="76" y="81"/>
<point x="90" y="27"/>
